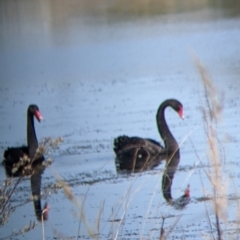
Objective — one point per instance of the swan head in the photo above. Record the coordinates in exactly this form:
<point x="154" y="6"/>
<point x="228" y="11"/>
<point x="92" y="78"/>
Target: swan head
<point x="33" y="109"/>
<point x="175" y="104"/>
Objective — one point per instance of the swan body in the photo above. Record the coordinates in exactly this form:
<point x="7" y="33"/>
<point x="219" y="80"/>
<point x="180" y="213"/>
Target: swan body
<point x="137" y="154"/>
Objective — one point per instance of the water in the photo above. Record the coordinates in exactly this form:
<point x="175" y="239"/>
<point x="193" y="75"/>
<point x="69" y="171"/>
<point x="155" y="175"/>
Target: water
<point x="98" y="71"/>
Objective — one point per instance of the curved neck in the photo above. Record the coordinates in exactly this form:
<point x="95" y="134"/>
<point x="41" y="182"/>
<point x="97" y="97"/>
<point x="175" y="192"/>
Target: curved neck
<point x="169" y="140"/>
<point x="31" y="136"/>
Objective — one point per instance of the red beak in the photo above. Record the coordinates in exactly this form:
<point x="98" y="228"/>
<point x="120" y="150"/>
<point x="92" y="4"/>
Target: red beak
<point x="180" y="112"/>
<point x="38" y="116"/>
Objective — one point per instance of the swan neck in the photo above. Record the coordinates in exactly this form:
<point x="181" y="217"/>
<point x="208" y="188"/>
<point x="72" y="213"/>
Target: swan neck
<point x="31" y="135"/>
<point x="169" y="140"/>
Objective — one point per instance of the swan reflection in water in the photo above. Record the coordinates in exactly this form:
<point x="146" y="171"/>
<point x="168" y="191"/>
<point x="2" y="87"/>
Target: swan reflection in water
<point x="35" y="175"/>
<point x="28" y="161"/>
<point x="167" y="181"/>
<point x="135" y="154"/>
<point x="36" y="179"/>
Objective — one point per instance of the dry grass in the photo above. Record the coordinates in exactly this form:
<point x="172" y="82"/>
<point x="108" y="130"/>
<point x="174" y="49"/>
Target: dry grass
<point x="212" y="115"/>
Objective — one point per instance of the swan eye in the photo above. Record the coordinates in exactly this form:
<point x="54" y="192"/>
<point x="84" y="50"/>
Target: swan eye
<point x="139" y="155"/>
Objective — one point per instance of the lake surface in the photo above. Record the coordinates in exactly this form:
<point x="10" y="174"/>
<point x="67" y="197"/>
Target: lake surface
<point x="100" y="71"/>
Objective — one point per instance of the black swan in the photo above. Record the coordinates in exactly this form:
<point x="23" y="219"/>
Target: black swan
<point x="13" y="155"/>
<point x="138" y="154"/>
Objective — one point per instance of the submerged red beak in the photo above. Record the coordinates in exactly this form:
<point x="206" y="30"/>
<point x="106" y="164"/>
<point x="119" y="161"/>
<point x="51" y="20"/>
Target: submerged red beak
<point x="38" y="116"/>
<point x="187" y="191"/>
<point x="45" y="211"/>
